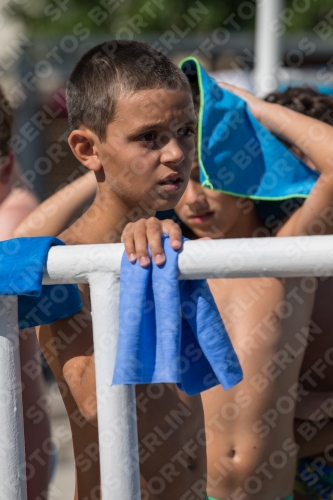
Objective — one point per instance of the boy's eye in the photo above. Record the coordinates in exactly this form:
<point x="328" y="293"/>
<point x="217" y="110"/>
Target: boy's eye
<point x="150" y="136"/>
<point x="187" y="131"/>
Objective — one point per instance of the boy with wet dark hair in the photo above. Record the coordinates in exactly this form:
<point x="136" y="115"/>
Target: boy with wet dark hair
<point x="305" y="100"/>
<point x="249" y="426"/>
<point x="132" y="123"/>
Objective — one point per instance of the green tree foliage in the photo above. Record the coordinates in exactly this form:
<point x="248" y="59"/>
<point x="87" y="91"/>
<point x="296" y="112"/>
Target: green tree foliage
<point x="57" y="17"/>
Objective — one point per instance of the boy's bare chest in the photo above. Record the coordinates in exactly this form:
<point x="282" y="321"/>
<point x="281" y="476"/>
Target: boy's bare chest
<point x="268" y="302"/>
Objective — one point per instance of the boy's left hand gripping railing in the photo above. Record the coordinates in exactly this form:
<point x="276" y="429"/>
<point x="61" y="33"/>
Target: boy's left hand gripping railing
<point x="99" y="266"/>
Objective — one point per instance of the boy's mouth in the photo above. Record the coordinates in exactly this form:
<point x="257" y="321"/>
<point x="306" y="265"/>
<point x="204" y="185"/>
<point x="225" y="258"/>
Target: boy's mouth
<point x="172" y="182"/>
<point x="201" y="217"/>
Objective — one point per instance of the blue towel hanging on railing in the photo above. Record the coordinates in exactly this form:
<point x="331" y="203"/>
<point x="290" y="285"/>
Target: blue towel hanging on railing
<point x="170" y="331"/>
<point x="22" y="263"/>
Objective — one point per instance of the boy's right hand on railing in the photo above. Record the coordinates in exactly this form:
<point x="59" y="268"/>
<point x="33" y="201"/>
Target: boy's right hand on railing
<point x="138" y="235"/>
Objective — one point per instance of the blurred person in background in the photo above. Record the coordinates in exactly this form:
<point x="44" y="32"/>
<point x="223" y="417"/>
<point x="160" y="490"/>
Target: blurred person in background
<point x="16" y="202"/>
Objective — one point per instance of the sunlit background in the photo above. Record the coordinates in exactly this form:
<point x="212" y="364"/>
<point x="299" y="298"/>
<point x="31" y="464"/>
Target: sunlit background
<point x="41" y="41"/>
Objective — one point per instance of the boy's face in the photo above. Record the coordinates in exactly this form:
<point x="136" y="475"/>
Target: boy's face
<point x="149" y="148"/>
<point x="212" y="213"/>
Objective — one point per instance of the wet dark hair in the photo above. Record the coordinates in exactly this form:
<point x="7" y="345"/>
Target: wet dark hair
<point x="6" y="124"/>
<point x="193" y="81"/>
<point x="307" y="101"/>
<point x="109" y="70"/>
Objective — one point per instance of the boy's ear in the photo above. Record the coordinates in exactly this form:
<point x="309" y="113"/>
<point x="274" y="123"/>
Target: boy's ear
<point x="6" y="167"/>
<point x="83" y="143"/>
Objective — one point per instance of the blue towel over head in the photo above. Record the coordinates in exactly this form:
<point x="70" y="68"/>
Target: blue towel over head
<point x="237" y="155"/>
<point x="170" y="331"/>
<point x="22" y="262"/>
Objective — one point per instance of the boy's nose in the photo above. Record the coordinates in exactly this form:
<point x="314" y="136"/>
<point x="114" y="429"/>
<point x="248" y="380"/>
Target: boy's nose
<point x="194" y="197"/>
<point x="172" y="153"/>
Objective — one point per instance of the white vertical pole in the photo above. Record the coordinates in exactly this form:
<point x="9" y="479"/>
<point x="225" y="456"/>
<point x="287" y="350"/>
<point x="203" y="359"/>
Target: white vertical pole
<point x="267" y="49"/>
<point x="117" y="426"/>
<point x="12" y="456"/>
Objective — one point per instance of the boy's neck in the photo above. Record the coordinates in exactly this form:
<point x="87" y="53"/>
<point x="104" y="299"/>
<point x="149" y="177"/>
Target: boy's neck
<point x="248" y="226"/>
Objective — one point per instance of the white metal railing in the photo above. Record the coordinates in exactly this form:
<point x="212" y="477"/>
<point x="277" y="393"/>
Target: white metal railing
<point x="99" y="265"/>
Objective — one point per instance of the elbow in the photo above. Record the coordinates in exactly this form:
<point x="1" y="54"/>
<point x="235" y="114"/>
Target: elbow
<point x="87" y="403"/>
<point x="88" y="409"/>
<point x="90" y="417"/>
<point x="85" y="399"/>
<point x="82" y="385"/>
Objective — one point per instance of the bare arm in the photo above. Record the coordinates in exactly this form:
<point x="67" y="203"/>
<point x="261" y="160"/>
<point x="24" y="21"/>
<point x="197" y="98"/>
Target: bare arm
<point x="313" y="426"/>
<point x="67" y="345"/>
<point x="315" y="139"/>
<point x="316" y="406"/>
<point x="56" y="213"/>
<point x="311" y="439"/>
